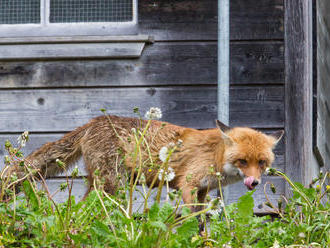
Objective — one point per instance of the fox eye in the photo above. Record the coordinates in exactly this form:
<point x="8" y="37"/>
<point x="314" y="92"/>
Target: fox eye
<point x="262" y="163"/>
<point x="243" y="162"/>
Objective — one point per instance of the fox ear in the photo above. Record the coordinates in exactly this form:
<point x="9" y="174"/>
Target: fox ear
<point x="277" y="136"/>
<point x="223" y="128"/>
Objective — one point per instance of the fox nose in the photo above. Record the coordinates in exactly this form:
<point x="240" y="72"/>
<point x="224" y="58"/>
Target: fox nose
<point x="254" y="183"/>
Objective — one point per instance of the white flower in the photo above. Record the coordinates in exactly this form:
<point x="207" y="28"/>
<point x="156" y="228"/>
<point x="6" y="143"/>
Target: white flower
<point x="153" y="113"/>
<point x="214" y="212"/>
<point x="23" y="138"/>
<point x="171" y="145"/>
<point x="163" y="153"/>
<point x="270" y="171"/>
<point x="216" y="206"/>
<point x="169" y="175"/>
<point x="276" y="244"/>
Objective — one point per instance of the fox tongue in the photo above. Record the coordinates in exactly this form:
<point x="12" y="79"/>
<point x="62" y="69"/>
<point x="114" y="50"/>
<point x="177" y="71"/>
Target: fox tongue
<point x="248" y="182"/>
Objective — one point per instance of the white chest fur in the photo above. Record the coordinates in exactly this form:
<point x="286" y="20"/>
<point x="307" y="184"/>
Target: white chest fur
<point x="231" y="174"/>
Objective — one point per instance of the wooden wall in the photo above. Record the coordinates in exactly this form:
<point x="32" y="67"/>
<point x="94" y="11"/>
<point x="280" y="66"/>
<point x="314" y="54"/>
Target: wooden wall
<point x="322" y="126"/>
<point x="177" y="73"/>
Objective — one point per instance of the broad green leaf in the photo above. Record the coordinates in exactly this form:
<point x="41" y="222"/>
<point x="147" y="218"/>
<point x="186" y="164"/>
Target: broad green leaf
<point x="245" y="205"/>
<point x="29" y="193"/>
<point x="154" y="212"/>
<point x="101" y="229"/>
<point x="185" y="211"/>
<point x="165" y="211"/>
<point x="188" y="228"/>
<point x="159" y="224"/>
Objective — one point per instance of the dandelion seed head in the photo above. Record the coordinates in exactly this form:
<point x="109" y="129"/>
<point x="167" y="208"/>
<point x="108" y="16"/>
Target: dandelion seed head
<point x="23" y="138"/>
<point x="171" y="145"/>
<point x="302" y="235"/>
<point x="169" y="175"/>
<point x="163" y="153"/>
<point x="153" y="113"/>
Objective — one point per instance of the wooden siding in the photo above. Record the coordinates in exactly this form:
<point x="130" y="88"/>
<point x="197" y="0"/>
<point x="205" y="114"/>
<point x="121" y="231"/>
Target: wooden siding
<point x="161" y="63"/>
<point x="323" y="86"/>
<point x="298" y="90"/>
<point x="177" y="73"/>
<point x="197" y="20"/>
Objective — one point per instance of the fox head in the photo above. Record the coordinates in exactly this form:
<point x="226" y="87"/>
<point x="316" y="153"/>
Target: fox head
<point x="247" y="152"/>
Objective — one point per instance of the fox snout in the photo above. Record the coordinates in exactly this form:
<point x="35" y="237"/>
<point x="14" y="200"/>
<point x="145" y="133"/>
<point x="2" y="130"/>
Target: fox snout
<point x="251" y="182"/>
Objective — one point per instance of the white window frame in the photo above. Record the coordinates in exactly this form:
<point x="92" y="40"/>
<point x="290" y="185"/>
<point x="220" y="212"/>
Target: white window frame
<point x="45" y="28"/>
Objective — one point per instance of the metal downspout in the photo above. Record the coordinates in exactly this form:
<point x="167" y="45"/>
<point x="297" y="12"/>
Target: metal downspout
<point x="223" y="66"/>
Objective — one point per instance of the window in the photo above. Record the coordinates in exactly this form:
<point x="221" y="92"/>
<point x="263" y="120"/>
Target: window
<point x="67" y="17"/>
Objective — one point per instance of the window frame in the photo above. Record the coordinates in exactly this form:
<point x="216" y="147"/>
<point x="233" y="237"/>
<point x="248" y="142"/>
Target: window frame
<point x="45" y="28"/>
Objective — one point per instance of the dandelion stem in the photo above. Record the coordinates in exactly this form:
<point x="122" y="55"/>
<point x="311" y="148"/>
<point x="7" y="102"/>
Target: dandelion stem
<point x="224" y="207"/>
<point x="165" y="165"/>
<point x="106" y="212"/>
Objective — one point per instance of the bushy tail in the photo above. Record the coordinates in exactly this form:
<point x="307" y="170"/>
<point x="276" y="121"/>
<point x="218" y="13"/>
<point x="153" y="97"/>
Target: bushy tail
<point x="67" y="149"/>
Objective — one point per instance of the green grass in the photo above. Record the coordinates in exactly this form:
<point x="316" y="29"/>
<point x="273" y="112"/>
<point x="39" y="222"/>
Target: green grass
<point x="33" y="219"/>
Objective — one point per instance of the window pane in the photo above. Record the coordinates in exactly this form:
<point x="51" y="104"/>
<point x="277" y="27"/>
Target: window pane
<point x="64" y="11"/>
<point x="19" y="11"/>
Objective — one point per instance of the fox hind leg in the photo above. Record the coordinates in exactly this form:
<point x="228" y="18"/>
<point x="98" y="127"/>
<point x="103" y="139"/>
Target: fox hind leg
<point x="104" y="170"/>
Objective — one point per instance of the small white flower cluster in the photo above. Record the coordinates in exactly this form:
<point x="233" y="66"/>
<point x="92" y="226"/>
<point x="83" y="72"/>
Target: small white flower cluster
<point x="153" y="113"/>
<point x="276" y="244"/>
<point x="23" y="138"/>
<point x="169" y="175"/>
<point x="163" y="154"/>
<point x="270" y="171"/>
<point x="217" y="210"/>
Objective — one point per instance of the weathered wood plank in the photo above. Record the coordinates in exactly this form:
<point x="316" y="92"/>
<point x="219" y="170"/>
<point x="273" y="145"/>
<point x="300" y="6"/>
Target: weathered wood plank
<point x="79" y="189"/>
<point x="253" y="19"/>
<point x="257" y="63"/>
<point x="160" y="64"/>
<point x="197" y="20"/>
<point x="298" y="90"/>
<point x="322" y="111"/>
<point x="70" y="51"/>
<point x="323" y="130"/>
<point x="75" y="39"/>
<point x="267" y="104"/>
<point x="237" y="190"/>
<point x="64" y="110"/>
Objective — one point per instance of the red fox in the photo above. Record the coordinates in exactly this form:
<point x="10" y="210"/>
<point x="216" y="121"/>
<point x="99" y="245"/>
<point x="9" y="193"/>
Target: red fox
<point x="238" y="154"/>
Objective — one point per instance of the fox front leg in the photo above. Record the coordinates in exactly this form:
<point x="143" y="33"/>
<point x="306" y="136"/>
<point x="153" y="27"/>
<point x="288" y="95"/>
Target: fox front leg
<point x="190" y="196"/>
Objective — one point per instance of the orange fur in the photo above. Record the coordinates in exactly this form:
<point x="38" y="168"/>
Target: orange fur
<point x="98" y="143"/>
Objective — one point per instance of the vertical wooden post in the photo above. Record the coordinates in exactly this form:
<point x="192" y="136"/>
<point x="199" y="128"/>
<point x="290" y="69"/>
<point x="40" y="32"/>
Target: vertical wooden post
<point x="298" y="88"/>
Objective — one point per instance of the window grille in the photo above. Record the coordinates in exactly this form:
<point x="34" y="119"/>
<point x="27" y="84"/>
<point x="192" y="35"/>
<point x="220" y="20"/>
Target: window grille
<point x="67" y="17"/>
<point x="19" y="11"/>
<point x="72" y="11"/>
<point x="65" y="11"/>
